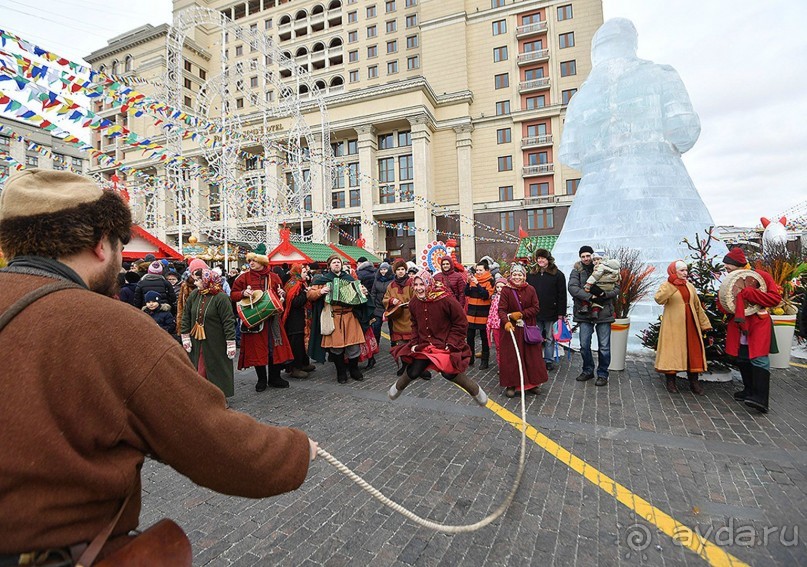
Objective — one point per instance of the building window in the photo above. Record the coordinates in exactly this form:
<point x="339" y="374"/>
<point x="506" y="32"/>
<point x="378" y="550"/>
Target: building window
<point x="386" y="141"/>
<point x="353" y="56"/>
<point x="499" y="27"/>
<point x="538" y="189"/>
<point x="502" y="107"/>
<point x="567" y="95"/>
<point x="188" y="66"/>
<point x="372" y="31"/>
<point x="531" y="19"/>
<point x="566" y="40"/>
<point x="307" y="202"/>
<point x="352" y="37"/>
<point x="496" y="3"/>
<point x="507" y="221"/>
<point x="540" y="218"/>
<point x="352" y="17"/>
<point x="386" y="170"/>
<point x="406" y="171"/>
<point x="568" y="68"/>
<point x="532" y="74"/>
<point x="411" y="41"/>
<point x="372" y="72"/>
<point x="392" y="46"/>
<point x="501" y="81"/>
<point x="534" y="102"/>
<point x="505" y="163"/>
<point x="338" y="200"/>
<point x="407" y="192"/>
<point x="413" y="62"/>
<point x="78" y="166"/>
<point x="392" y="67"/>
<point x="404" y="139"/>
<point x="535" y="130"/>
<point x="202" y="74"/>
<point x="59" y="161"/>
<point x="571" y="186"/>
<point x="532" y="46"/>
<point x="355" y="198"/>
<point x="499" y="54"/>
<point x="127" y="64"/>
<point x="353" y="76"/>
<point x="338" y="149"/>
<point x="411" y="20"/>
<point x="538" y="158"/>
<point x="564" y="12"/>
<point x="506" y="193"/>
<point x="253" y="82"/>
<point x="353" y="174"/>
<point x="371" y="12"/>
<point x="187" y="101"/>
<point x="239" y="103"/>
<point x="386" y="194"/>
<point x="5" y="144"/>
<point x="188" y="84"/>
<point x="411" y="3"/>
<point x="338" y="178"/>
<point x="392" y="26"/>
<point x="389" y="6"/>
<point x="31" y="160"/>
<point x="239" y="50"/>
<point x="372" y="51"/>
<point x="267" y="25"/>
<point x="503" y="136"/>
<point x="352" y="147"/>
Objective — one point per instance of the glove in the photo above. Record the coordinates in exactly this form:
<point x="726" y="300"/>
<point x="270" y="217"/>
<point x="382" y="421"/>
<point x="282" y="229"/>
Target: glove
<point x="186" y="343"/>
<point x="395" y="301"/>
<point x="231" y="349"/>
<point x="515" y="316"/>
<point x="508" y="327"/>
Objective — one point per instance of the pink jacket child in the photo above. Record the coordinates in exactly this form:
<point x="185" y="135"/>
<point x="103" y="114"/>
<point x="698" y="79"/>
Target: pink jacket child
<point x="494" y="323"/>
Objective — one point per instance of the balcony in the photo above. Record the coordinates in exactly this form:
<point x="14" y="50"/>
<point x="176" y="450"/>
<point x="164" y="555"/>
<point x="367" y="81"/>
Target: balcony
<point x="533" y="56"/>
<point x="542" y="169"/>
<point x="543" y="200"/>
<point x="537" y="28"/>
<point x="534" y="85"/>
<point x="536" y="141"/>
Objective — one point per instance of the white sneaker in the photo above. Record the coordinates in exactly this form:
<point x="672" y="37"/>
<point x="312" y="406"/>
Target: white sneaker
<point x="394" y="392"/>
<point x="481" y="398"/>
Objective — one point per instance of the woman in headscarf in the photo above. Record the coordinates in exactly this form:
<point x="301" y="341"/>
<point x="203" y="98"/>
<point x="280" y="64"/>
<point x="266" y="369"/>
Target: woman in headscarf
<point x="680" y="340"/>
<point x="267" y="349"/>
<point x="381" y="282"/>
<point x="295" y="319"/>
<point x="187" y="286"/>
<point x="208" y="331"/>
<point x="439" y="333"/>
<point x="519" y="302"/>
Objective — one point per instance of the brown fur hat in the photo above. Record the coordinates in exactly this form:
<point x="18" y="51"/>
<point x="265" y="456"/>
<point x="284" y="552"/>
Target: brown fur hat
<point x="398" y="263"/>
<point x="260" y="258"/>
<point x="57" y="214"/>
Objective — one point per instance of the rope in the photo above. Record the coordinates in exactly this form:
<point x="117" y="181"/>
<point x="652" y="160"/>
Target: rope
<point x="445" y="528"/>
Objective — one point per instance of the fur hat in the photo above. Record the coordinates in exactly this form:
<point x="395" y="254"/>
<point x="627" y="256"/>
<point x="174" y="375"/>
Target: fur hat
<point x="584" y="249"/>
<point x="333" y="257"/>
<point x="56" y="214"/>
<point x="735" y="257"/>
<point x="260" y="258"/>
<point x="155" y="268"/>
<point x="398" y="263"/>
<point x="132" y="277"/>
<point x="543" y="253"/>
<point x="153" y="296"/>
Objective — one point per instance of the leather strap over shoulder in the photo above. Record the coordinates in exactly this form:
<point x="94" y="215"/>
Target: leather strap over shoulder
<point x="31" y="297"/>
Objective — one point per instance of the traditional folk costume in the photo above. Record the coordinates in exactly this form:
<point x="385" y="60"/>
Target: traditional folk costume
<point x="519" y="302"/>
<point x="268" y="350"/>
<point x="751" y="338"/>
<point x="439" y="330"/>
<point x="396" y="306"/>
<point x="295" y="319"/>
<point x="208" y="320"/>
<point x="680" y="341"/>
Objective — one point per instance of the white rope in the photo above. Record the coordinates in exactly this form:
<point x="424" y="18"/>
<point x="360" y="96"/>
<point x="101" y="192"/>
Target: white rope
<point x="450" y="529"/>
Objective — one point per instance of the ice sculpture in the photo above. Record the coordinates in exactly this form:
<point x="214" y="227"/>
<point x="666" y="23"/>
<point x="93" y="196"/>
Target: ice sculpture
<point x="625" y="130"/>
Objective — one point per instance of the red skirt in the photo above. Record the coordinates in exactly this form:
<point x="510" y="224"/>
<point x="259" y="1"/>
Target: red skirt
<point x="440" y="360"/>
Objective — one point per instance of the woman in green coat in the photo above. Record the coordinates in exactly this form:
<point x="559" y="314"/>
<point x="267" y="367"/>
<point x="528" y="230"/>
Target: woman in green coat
<point x="208" y="331"/>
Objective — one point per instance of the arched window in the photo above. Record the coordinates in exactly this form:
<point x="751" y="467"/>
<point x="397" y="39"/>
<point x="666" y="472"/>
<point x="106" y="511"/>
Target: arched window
<point x="285" y="19"/>
<point x="319" y="46"/>
<point x="115" y="67"/>
<point x="102" y="69"/>
<point x="127" y="65"/>
<point x="337" y="81"/>
<point x="318" y="9"/>
<point x="302" y="52"/>
<point x="335" y="42"/>
<point x="301" y="15"/>
<point x="334" y="5"/>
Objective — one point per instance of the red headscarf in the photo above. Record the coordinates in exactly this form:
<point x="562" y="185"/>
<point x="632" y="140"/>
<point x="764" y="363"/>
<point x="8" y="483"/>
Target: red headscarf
<point x="434" y="289"/>
<point x="673" y="274"/>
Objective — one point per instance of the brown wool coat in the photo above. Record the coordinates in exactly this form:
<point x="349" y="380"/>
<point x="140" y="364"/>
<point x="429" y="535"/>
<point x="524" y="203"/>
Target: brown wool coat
<point x="89" y="387"/>
<point x="671" y="353"/>
<point x="401" y="320"/>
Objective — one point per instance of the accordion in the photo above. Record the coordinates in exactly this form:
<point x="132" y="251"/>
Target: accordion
<point x="346" y="292"/>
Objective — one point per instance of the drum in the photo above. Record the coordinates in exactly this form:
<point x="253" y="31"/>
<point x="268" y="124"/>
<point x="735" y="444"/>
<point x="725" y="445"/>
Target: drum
<point x="733" y="284"/>
<point x="262" y="305"/>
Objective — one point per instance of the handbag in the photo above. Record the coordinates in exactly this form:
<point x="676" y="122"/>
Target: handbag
<point x="532" y="333"/>
<point x="326" y="324"/>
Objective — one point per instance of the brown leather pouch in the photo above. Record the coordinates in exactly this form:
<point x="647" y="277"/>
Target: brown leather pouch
<point x="164" y="543"/>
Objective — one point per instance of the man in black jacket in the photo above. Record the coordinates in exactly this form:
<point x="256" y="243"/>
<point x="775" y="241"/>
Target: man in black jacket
<point x="550" y="285"/>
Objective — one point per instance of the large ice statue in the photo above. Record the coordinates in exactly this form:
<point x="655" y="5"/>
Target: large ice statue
<point x="625" y="130"/>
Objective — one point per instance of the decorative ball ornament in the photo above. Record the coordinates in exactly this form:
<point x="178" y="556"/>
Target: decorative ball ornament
<point x="432" y="254"/>
<point x="193" y="240"/>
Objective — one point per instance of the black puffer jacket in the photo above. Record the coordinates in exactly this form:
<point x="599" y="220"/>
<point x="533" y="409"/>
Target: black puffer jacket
<point x="550" y="285"/>
<point x="365" y="273"/>
<point x="154" y="282"/>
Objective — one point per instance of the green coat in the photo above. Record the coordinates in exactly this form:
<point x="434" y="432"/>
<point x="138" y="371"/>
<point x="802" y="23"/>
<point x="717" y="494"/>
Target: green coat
<point x="219" y="324"/>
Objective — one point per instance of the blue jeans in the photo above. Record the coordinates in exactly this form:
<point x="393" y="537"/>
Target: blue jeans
<point x="549" y="340"/>
<point x="603" y="349"/>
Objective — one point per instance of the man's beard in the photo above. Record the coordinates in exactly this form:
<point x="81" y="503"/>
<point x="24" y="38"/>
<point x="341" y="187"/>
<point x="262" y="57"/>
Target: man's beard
<point x="106" y="283"/>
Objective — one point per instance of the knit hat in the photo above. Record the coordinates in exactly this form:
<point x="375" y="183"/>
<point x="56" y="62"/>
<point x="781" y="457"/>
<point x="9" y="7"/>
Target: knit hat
<point x="361" y="259"/>
<point x="196" y="264"/>
<point x="384" y="266"/>
<point x="155" y="268"/>
<point x="132" y="277"/>
<point x="398" y="263"/>
<point x="149" y="258"/>
<point x="260" y="258"/>
<point x="584" y="249"/>
<point x="153" y="296"/>
<point x="735" y="257"/>
<point x="126" y="265"/>
<point x="518" y="268"/>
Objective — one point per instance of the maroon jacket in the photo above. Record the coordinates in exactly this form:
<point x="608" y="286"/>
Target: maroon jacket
<point x="454" y="282"/>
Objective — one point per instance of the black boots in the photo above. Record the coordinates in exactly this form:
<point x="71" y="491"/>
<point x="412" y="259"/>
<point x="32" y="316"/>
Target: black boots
<point x="760" y="385"/>
<point x="671" y="387"/>
<point x="341" y="369"/>
<point x="745" y="372"/>
<point x="353" y="368"/>
<point x="484" y="363"/>
<point x="370" y="363"/>
<point x="694" y="384"/>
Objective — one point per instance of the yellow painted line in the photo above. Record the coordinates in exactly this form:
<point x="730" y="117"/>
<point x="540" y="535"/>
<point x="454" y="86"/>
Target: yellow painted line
<point x="799" y="364"/>
<point x="385" y="335"/>
<point x="712" y="553"/>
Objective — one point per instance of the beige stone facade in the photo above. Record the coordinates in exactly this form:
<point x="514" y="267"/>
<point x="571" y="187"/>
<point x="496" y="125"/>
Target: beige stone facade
<point x="455" y="103"/>
<point x="15" y="141"/>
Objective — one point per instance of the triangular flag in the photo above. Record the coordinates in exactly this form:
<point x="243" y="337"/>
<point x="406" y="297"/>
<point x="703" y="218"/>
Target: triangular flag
<point x="521" y="232"/>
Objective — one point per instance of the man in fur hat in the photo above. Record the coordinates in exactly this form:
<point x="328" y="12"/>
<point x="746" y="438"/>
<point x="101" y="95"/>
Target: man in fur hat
<point x="79" y="419"/>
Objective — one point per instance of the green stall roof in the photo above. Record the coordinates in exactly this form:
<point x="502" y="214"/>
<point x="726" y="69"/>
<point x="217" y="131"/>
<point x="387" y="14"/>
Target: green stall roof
<point x="533" y="243"/>
<point x="355" y="252"/>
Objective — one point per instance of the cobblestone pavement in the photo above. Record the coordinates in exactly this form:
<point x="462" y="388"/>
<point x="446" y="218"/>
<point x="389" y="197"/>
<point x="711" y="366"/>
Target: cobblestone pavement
<point x="729" y="474"/>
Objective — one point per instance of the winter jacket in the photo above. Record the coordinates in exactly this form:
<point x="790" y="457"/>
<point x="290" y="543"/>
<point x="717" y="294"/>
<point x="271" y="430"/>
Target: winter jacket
<point x="493" y="265"/>
<point x="162" y="316"/>
<point x="154" y="282"/>
<point x="478" y="296"/>
<point x="550" y="285"/>
<point x="126" y="293"/>
<point x="455" y="284"/>
<point x="365" y="273"/>
<point x="377" y="291"/>
<point x="672" y="352"/>
<point x="577" y="279"/>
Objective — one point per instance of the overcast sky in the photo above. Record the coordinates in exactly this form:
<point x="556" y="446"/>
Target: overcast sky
<point x="743" y="63"/>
